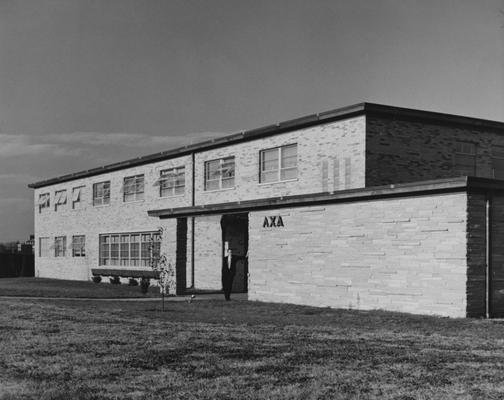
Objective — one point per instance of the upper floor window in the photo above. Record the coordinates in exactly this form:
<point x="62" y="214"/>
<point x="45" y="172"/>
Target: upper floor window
<point x="60" y="199"/>
<point x="101" y="193"/>
<point x="77" y="193"/>
<point x="172" y="182"/>
<point x="44" y="247"/>
<point x="498" y="161"/>
<point x="133" y="188"/>
<point x="59" y="246"/>
<point x="220" y="174"/>
<point x="465" y="158"/>
<point x="44" y="201"/>
<point x="78" y="246"/>
<point x="278" y="164"/>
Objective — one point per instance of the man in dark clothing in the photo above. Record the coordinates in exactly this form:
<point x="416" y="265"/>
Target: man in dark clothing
<point x="229" y="272"/>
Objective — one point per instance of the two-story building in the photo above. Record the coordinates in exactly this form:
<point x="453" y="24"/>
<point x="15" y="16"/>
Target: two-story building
<point x="366" y="207"/>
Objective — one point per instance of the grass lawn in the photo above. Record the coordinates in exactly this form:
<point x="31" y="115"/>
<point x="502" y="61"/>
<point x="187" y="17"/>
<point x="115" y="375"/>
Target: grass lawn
<point x="43" y="287"/>
<point x="62" y="349"/>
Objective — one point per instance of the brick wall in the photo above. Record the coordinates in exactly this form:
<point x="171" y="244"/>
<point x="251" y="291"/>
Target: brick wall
<point x="208" y="252"/>
<point x="92" y="221"/>
<point x="402" y="254"/>
<point x="330" y="157"/>
<point x="476" y="254"/>
<point x="403" y="151"/>
<point x="497" y="255"/>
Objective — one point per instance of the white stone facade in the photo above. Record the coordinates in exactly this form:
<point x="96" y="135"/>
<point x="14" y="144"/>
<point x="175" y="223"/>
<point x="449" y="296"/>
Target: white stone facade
<point x="405" y="254"/>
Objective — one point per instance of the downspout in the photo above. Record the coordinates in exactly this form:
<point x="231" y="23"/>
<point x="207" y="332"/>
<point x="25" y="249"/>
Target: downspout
<point x="193" y="190"/>
<point x="487" y="254"/>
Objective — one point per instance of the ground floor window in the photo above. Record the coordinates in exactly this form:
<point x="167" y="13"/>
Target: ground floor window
<point x="78" y="246"/>
<point x="44" y="247"/>
<point x="129" y="249"/>
<point x="59" y="246"/>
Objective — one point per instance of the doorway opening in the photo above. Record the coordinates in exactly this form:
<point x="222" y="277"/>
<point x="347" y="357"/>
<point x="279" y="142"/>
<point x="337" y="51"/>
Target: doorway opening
<point x="235" y="235"/>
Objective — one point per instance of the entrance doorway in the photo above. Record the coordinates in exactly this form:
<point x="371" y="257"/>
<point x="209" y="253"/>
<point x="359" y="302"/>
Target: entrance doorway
<point x="235" y="235"/>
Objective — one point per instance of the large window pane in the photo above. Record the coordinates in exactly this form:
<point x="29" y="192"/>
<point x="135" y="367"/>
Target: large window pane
<point x="130" y="249"/>
<point x="172" y="181"/>
<point x="133" y="188"/>
<point x="278" y="164"/>
<point x="219" y="174"/>
<point x="101" y="193"/>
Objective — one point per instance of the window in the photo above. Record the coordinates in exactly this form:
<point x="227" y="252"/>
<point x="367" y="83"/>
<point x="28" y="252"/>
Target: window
<point x="172" y="182"/>
<point x="129" y="249"/>
<point x="77" y="193"/>
<point x="44" y="247"/>
<point x="59" y="246"/>
<point x="78" y="246"/>
<point x="101" y="193"/>
<point x="465" y="158"/>
<point x="44" y="201"/>
<point x="278" y="164"/>
<point x="498" y="162"/>
<point x="220" y="174"/>
<point x="60" y="199"/>
<point x="133" y="188"/>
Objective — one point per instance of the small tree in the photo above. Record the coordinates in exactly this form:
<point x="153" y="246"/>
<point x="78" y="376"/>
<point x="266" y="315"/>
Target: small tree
<point x="159" y="264"/>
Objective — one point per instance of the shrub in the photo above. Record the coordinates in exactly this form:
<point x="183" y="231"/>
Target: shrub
<point x="133" y="282"/>
<point x="144" y="285"/>
<point x="96" y="279"/>
<point x="115" y="280"/>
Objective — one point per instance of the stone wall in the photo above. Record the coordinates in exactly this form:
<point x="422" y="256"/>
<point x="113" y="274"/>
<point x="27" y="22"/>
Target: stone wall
<point x="402" y="254"/>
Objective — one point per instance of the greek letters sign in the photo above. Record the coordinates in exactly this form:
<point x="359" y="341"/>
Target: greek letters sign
<point x="275" y="221"/>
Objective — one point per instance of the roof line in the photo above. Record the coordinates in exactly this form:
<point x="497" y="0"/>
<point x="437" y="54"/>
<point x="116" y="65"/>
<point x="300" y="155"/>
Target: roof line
<point x="281" y="127"/>
<point x="402" y="190"/>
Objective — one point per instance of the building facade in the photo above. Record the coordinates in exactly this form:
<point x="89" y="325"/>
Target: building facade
<point x="364" y="207"/>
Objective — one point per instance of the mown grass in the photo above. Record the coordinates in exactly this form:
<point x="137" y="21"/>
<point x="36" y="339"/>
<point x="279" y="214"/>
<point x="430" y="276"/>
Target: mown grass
<point x="57" y="349"/>
<point x="43" y="287"/>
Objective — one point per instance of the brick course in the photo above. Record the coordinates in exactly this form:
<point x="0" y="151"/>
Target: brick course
<point x="399" y="151"/>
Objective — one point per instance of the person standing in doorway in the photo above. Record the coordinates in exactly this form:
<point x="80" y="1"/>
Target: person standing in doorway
<point x="229" y="271"/>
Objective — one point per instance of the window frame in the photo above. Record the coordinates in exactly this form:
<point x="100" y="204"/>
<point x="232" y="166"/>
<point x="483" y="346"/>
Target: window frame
<point x="220" y="169"/>
<point x="497" y="155"/>
<point x="46" y="248"/>
<point x="105" y="197"/>
<point x="79" y="246"/>
<point x="137" y="194"/>
<point x="279" y="169"/>
<point x="59" y="248"/>
<point x="163" y="179"/>
<point x="465" y="150"/>
<point x="79" y="201"/>
<point x="46" y="204"/>
<point x="58" y="194"/>
<point x="136" y="249"/>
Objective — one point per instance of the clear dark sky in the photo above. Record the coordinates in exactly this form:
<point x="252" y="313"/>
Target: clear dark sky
<point x="85" y="83"/>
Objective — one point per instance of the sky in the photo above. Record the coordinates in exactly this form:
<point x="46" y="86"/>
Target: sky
<point x="85" y="83"/>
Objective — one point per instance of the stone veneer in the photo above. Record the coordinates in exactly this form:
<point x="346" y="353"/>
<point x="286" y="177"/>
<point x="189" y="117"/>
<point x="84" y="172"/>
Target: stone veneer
<point x="401" y="254"/>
